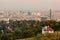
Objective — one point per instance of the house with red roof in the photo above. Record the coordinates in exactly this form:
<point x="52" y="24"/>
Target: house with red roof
<point x="47" y="29"/>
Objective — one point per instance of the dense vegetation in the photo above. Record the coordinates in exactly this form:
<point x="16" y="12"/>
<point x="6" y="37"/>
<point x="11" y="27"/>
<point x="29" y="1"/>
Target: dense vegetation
<point x="47" y="36"/>
<point x="25" y="29"/>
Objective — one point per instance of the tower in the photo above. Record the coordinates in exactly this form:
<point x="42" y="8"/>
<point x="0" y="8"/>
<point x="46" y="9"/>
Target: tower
<point x="50" y="14"/>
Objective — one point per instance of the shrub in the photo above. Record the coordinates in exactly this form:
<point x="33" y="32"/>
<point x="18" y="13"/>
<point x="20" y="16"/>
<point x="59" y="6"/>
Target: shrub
<point x="47" y="36"/>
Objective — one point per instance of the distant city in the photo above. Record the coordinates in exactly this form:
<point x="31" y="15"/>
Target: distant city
<point x="26" y="15"/>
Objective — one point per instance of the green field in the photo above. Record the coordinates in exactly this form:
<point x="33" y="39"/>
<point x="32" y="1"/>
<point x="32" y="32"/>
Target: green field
<point x="27" y="39"/>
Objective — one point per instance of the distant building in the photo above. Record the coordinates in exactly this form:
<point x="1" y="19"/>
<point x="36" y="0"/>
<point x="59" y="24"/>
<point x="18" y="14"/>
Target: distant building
<point x="19" y="15"/>
<point x="47" y="29"/>
<point x="3" y="15"/>
<point x="56" y="15"/>
<point x="29" y="13"/>
<point x="43" y="18"/>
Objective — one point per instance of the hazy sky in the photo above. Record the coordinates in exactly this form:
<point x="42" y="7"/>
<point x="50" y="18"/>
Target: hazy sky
<point x="29" y="4"/>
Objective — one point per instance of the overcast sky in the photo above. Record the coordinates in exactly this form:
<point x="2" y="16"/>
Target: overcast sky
<point x="29" y="4"/>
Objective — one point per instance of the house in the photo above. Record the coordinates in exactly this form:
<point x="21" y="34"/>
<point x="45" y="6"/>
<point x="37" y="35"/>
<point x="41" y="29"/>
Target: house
<point x="47" y="29"/>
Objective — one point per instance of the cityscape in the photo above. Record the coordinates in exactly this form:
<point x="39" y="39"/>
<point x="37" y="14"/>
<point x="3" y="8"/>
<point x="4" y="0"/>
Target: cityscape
<point x="26" y="15"/>
<point x="29" y="19"/>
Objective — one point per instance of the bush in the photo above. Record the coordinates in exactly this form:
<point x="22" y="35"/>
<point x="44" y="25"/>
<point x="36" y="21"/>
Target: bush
<point x="47" y="36"/>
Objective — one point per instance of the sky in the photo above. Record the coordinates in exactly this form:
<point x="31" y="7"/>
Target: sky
<point x="29" y="4"/>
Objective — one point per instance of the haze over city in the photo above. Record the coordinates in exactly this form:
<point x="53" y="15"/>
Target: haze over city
<point x="29" y="4"/>
<point x="29" y="9"/>
<point x="29" y="19"/>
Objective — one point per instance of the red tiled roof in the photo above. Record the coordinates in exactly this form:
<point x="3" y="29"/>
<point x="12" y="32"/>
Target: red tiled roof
<point x="48" y="29"/>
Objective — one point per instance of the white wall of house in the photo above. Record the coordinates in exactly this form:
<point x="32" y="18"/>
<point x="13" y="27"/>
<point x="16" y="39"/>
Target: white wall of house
<point x="43" y="31"/>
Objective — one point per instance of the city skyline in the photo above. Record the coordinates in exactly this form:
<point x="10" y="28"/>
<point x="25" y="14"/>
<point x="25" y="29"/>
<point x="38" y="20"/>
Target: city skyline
<point x="21" y="15"/>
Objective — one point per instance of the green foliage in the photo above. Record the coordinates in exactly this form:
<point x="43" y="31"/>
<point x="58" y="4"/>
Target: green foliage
<point x="52" y="23"/>
<point x="25" y="29"/>
<point x="47" y="36"/>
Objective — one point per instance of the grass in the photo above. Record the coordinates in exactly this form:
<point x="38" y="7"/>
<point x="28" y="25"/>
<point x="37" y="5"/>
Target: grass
<point x="56" y="33"/>
<point x="27" y="39"/>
